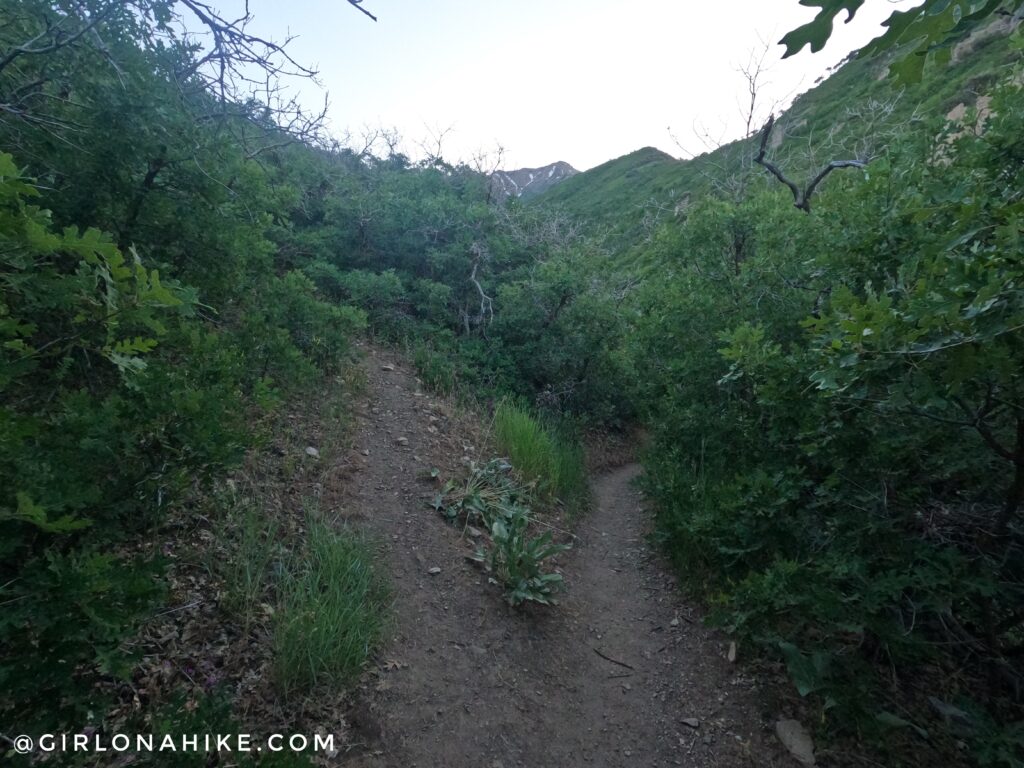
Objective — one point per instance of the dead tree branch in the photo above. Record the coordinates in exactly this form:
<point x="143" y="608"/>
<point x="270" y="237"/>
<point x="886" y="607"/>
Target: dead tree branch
<point x="358" y="5"/>
<point x="53" y="37"/>
<point x="486" y="304"/>
<point x="801" y="197"/>
<point x="221" y="57"/>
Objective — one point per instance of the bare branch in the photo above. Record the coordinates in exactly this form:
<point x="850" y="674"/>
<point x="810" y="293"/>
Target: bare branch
<point x="221" y="56"/>
<point x="434" y="152"/>
<point x="729" y="175"/>
<point x="801" y="197"/>
<point x="832" y="166"/>
<point x="358" y="5"/>
<point x="486" y="305"/>
<point x="760" y="159"/>
<point x="978" y="420"/>
<point x="57" y="40"/>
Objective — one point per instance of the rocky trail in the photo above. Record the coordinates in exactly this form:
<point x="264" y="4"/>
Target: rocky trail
<point x="620" y="673"/>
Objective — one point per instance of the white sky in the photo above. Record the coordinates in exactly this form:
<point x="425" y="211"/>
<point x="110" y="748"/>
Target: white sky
<point x="577" y="80"/>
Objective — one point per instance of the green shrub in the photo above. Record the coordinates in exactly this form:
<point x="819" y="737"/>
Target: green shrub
<point x="292" y="336"/>
<point x="840" y="463"/>
<point x="65" y="618"/>
<point x="382" y="296"/>
<point x="116" y="402"/>
<point x="431" y="301"/>
<point x="85" y="418"/>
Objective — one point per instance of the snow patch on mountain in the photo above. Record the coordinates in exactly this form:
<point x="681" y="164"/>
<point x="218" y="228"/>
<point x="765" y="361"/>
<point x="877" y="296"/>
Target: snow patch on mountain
<point x="525" y="183"/>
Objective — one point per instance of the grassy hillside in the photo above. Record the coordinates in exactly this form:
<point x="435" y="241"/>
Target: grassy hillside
<point x="619" y="188"/>
<point x="851" y="113"/>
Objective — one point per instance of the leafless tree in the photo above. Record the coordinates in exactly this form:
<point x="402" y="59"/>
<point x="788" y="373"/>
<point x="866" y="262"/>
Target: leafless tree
<point x="538" y="231"/>
<point x="801" y="195"/>
<point x="864" y="133"/>
<point x="56" y="33"/>
<point x="368" y="139"/>
<point x="486" y="314"/>
<point x="654" y="211"/>
<point x="487" y="163"/>
<point x="432" y="146"/>
<point x="243" y="71"/>
<point x="392" y="140"/>
<point x="754" y="72"/>
<point x="729" y="175"/>
<point x="373" y="143"/>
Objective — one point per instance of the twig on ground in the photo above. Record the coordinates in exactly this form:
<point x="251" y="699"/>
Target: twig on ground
<point x="613" y="661"/>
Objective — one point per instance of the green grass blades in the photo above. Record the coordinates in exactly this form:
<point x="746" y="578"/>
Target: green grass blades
<point x="541" y="455"/>
<point x="331" y="612"/>
<point x="434" y="368"/>
<point x="252" y="540"/>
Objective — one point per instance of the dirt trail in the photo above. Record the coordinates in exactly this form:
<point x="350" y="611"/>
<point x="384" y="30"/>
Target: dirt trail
<point x="620" y="673"/>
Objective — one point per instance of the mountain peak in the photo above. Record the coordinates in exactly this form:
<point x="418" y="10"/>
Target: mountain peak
<point x="525" y="183"/>
<point x="651" y="152"/>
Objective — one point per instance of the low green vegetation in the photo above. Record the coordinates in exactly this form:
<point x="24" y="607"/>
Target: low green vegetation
<point x="434" y="369"/>
<point x="331" y="609"/>
<point x="540" y="454"/>
<point x="315" y="591"/>
<point x="493" y="498"/>
<point x="212" y="714"/>
<point x="252" y="541"/>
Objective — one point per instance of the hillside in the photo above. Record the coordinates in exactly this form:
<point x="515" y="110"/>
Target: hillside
<point x="784" y="361"/>
<point x="619" y="190"/>
<point x="850" y="113"/>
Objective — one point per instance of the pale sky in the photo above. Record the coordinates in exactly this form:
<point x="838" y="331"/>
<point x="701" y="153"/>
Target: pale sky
<point x="583" y="81"/>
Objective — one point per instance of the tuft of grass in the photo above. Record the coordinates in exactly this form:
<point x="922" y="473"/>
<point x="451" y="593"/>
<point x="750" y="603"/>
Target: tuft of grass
<point x="434" y="369"/>
<point x="331" y="611"/>
<point x="252" y="546"/>
<point x="541" y="454"/>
